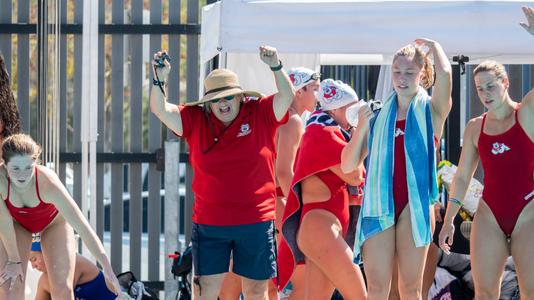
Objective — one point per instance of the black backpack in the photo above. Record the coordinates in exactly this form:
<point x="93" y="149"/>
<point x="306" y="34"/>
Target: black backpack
<point x="182" y="264"/>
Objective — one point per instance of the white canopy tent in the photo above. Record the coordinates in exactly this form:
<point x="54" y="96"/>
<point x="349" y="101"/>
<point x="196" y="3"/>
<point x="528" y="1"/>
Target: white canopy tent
<point x="343" y="32"/>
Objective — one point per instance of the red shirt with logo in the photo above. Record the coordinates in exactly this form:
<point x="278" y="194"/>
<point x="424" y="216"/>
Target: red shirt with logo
<point x="233" y="166"/>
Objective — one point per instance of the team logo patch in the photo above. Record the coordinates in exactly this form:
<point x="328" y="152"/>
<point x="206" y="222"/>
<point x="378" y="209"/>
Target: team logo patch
<point x="398" y="132"/>
<point x="245" y="130"/>
<point x="331" y="93"/>
<point x="499" y="148"/>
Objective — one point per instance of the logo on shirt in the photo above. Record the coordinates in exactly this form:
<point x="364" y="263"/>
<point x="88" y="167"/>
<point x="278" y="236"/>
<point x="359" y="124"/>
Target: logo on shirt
<point x="398" y="132"/>
<point x="245" y="130"/>
<point x="499" y="148"/>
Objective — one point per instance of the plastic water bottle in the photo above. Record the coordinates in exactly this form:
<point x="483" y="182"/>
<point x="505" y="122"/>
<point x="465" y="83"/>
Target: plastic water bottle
<point x="352" y="113"/>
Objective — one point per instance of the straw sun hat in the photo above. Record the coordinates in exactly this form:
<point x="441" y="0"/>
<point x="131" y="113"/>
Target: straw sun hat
<point x="221" y="83"/>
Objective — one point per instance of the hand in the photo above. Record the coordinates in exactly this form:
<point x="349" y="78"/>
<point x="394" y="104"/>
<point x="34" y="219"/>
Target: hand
<point x="427" y="43"/>
<point x="111" y="281"/>
<point x="529" y="13"/>
<point x="269" y="55"/>
<point x="446" y="236"/>
<point x="161" y="72"/>
<point x="365" y="114"/>
<point x="437" y="212"/>
<point x="11" y="272"/>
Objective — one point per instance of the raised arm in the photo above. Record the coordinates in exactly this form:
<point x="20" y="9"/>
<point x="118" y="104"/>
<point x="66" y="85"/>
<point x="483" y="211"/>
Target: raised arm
<point x="441" y="102"/>
<point x="355" y="151"/>
<point x="168" y="113"/>
<point x="466" y="168"/>
<point x="528" y="100"/>
<point x="55" y="192"/>
<point x="12" y="270"/>
<point x="289" y="136"/>
<point x="284" y="97"/>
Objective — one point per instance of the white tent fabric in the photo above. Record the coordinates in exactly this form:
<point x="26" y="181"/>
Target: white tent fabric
<point x="478" y="29"/>
<point x="255" y="75"/>
<point x="353" y="32"/>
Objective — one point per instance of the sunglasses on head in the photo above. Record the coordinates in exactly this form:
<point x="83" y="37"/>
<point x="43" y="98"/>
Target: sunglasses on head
<point x="227" y="98"/>
<point x="313" y="77"/>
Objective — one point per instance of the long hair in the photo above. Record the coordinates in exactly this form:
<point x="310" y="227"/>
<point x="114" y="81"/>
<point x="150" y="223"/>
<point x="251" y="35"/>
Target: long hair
<point x="20" y="144"/>
<point x="9" y="115"/>
<point x="422" y="61"/>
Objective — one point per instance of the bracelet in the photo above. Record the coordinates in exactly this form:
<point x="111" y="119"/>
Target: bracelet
<point x="277" y="68"/>
<point x="157" y="82"/>
<point x="456" y="201"/>
<point x="9" y="262"/>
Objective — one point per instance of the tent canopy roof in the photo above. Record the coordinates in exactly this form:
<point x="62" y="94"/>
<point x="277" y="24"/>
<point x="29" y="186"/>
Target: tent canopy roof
<point x="367" y="32"/>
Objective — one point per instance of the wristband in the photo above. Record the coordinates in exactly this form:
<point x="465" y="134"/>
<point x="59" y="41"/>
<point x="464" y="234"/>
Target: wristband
<point x="456" y="201"/>
<point x="277" y="68"/>
<point x="157" y="82"/>
<point x="9" y="262"/>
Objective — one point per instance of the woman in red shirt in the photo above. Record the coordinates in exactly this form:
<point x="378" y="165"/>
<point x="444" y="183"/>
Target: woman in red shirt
<point x="231" y="138"/>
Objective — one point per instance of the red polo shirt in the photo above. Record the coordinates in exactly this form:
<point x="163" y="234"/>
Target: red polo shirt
<point x="233" y="178"/>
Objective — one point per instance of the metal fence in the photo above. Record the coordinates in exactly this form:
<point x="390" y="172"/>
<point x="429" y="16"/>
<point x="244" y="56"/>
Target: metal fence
<point x="130" y="185"/>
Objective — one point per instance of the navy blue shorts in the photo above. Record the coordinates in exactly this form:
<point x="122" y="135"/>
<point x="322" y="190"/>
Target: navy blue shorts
<point x="251" y="246"/>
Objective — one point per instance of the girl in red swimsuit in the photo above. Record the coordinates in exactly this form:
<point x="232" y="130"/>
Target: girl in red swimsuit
<point x="35" y="200"/>
<point x="316" y="216"/>
<point x="503" y="140"/>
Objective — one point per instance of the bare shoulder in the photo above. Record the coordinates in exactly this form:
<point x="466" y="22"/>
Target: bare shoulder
<point x="525" y="116"/>
<point x="43" y="283"/>
<point x="294" y="125"/>
<point x="49" y="182"/>
<point x="295" y="120"/>
<point x="475" y="123"/>
<point x="47" y="177"/>
<point x="473" y="129"/>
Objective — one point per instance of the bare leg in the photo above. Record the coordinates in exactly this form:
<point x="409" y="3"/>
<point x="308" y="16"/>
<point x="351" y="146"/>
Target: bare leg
<point x="272" y="291"/>
<point x="378" y="254"/>
<point x="489" y="250"/>
<point x="320" y="238"/>
<point x="317" y="285"/>
<point x="298" y="282"/>
<point x="432" y="259"/>
<point x="231" y="287"/>
<point x="523" y="251"/>
<point x="411" y="259"/>
<point x="59" y="253"/>
<point x="255" y="289"/>
<point x="24" y="240"/>
<point x="394" y="290"/>
<point x="207" y="287"/>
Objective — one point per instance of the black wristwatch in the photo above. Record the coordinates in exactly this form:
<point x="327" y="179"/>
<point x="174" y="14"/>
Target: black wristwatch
<point x="157" y="82"/>
<point x="277" y="68"/>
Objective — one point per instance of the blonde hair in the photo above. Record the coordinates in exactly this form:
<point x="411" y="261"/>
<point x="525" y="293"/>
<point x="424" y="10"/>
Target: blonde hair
<point x="421" y="60"/>
<point x="491" y="66"/>
<point x="20" y="144"/>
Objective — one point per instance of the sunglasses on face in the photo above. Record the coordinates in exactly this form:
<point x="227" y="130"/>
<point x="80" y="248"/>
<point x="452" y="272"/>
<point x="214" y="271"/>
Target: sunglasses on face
<point x="227" y="98"/>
